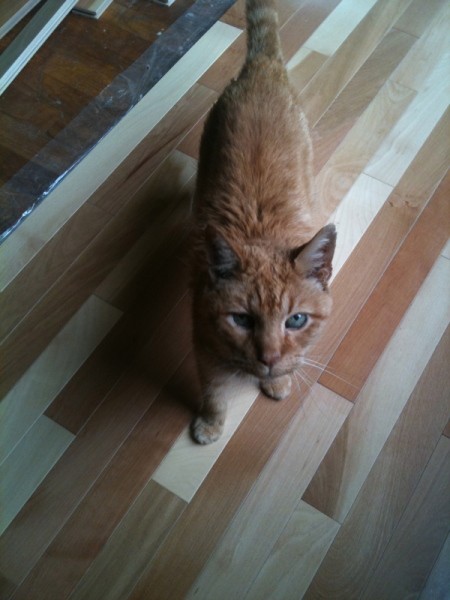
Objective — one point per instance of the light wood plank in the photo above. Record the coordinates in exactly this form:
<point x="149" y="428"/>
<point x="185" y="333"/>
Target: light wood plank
<point x="36" y="389"/>
<point x="354" y="215"/>
<point x="30" y="39"/>
<point x="332" y="33"/>
<point x="12" y="11"/>
<point x="18" y="249"/>
<point x="387" y="490"/>
<point x="92" y="8"/>
<point x="438" y="583"/>
<point x="339" y="69"/>
<point x="296" y="556"/>
<point x="372" y="328"/>
<point x="248" y="541"/>
<point x="359" y="145"/>
<point x="417" y="541"/>
<point x="27" y="465"/>
<point x="414" y="70"/>
<point x="87" y="530"/>
<point x="417" y="16"/>
<point x="51" y="262"/>
<point x="383" y="397"/>
<point x="114" y="573"/>
<point x="187" y="464"/>
<point x="446" y="250"/>
<point x="413" y="128"/>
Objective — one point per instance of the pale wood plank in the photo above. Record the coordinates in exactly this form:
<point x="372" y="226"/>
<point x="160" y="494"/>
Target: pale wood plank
<point x="414" y="70"/>
<point x="92" y="8"/>
<point x="114" y="573"/>
<point x="31" y="395"/>
<point x="387" y="490"/>
<point x="305" y="64"/>
<point x="417" y="16"/>
<point x="87" y="530"/>
<point x="354" y="215"/>
<point x="345" y="110"/>
<point x="339" y="69"/>
<point x="28" y="41"/>
<point x="187" y="464"/>
<point x="382" y="398"/>
<point x="12" y="11"/>
<point x="386" y="234"/>
<point x="47" y="266"/>
<point x="371" y="330"/>
<point x="18" y="249"/>
<point x="27" y="465"/>
<point x="413" y="128"/>
<point x="351" y="156"/>
<point x="417" y="541"/>
<point x="332" y="33"/>
<point x="296" y="556"/>
<point x="438" y="583"/>
<point x="446" y="250"/>
<point x="248" y="541"/>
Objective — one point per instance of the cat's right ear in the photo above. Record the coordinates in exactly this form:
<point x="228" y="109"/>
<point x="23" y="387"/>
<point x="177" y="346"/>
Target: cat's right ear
<point x="223" y="260"/>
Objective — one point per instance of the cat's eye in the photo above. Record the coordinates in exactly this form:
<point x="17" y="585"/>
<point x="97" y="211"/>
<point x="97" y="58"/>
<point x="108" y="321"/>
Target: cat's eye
<point x="296" y="321"/>
<point x="243" y="320"/>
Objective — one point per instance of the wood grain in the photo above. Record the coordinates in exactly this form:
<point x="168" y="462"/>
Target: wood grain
<point x="86" y="531"/>
<point x="139" y="535"/>
<point x="382" y="400"/>
<point x="373" y="519"/>
<point x="307" y="537"/>
<point x="36" y="389"/>
<point x="27" y="465"/>
<point x="30" y="38"/>
<point x="417" y="541"/>
<point x="246" y="545"/>
<point x="355" y="358"/>
<point x="438" y="583"/>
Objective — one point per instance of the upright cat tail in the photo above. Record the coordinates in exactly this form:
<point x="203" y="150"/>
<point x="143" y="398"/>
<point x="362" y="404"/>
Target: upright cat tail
<point x="262" y="30"/>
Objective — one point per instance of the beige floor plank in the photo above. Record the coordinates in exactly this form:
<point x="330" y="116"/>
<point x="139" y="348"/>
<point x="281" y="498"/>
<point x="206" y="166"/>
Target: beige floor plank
<point x="418" y="539"/>
<point x="86" y="531"/>
<point x="351" y="156"/>
<point x="413" y="128"/>
<point x="20" y="247"/>
<point x="417" y="16"/>
<point x="387" y="490"/>
<point x="339" y="69"/>
<point x="355" y="214"/>
<point x="296" y="556"/>
<point x="438" y="583"/>
<point x="117" y="568"/>
<point x="415" y="69"/>
<point x="36" y="389"/>
<point x="331" y="34"/>
<point x="27" y="465"/>
<point x="382" y="398"/>
<point x="187" y="464"/>
<point x="244" y="548"/>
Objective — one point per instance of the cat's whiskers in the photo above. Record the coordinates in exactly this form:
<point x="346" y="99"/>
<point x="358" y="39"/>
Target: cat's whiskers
<point x="325" y="369"/>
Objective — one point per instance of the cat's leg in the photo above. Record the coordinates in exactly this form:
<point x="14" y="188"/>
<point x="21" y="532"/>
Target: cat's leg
<point x="208" y="426"/>
<point x="276" y="388"/>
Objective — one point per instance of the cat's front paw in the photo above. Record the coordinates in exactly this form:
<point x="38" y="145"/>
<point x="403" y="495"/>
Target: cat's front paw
<point x="277" y="388"/>
<point x="206" y="431"/>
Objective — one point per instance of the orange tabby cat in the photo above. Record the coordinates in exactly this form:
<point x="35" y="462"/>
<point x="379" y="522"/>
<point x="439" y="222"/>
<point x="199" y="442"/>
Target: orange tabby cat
<point x="260" y="278"/>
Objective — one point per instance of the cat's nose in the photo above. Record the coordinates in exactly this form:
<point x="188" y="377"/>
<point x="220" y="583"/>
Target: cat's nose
<point x="269" y="359"/>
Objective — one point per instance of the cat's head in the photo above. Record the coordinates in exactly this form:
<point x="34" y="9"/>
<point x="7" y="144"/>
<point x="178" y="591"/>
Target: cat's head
<point x="261" y="308"/>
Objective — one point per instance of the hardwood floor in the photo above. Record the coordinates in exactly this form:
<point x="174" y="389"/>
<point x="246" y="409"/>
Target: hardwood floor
<point x="340" y="491"/>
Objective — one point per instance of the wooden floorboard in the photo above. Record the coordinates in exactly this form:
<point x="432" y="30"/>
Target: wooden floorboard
<point x="339" y="491"/>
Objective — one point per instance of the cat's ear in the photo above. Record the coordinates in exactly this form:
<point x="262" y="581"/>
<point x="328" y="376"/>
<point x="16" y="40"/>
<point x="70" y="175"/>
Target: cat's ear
<point x="314" y="258"/>
<point x="223" y="261"/>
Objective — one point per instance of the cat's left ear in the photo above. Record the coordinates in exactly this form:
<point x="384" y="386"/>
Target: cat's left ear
<point x="314" y="258"/>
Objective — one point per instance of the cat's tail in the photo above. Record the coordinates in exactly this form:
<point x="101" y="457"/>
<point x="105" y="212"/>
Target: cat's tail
<point x="262" y="30"/>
